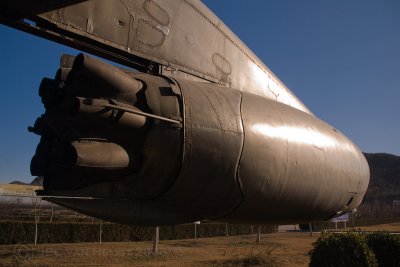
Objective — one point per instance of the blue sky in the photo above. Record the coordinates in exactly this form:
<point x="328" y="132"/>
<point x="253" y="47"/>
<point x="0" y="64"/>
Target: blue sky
<point x="341" y="58"/>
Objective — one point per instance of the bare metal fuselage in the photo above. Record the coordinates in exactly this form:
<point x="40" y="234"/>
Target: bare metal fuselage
<point x="208" y="133"/>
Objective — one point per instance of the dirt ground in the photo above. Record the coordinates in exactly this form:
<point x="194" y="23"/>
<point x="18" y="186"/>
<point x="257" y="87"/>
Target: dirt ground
<point x="393" y="227"/>
<point x="277" y="249"/>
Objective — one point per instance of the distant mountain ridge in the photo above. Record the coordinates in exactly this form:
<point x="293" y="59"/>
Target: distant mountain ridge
<point x="18" y="183"/>
<point x="384" y="185"/>
<point x="38" y="181"/>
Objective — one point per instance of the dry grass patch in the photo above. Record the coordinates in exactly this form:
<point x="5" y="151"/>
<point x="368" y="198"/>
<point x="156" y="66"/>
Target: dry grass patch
<point x="254" y="256"/>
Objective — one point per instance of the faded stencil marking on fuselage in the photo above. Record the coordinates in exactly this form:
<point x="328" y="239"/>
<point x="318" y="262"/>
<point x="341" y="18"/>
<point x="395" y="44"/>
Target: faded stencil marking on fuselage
<point x="188" y="2"/>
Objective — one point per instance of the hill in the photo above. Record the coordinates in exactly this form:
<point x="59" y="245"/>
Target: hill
<point x="383" y="194"/>
<point x="18" y="183"/>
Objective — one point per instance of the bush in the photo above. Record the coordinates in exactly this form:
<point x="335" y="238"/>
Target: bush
<point x="347" y="249"/>
<point x="386" y="248"/>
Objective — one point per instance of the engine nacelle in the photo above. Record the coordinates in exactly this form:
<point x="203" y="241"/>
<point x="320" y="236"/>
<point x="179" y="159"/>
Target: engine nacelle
<point x="144" y="149"/>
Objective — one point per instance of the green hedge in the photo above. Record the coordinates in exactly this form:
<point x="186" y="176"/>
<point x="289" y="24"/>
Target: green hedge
<point x="24" y="232"/>
<point x="356" y="249"/>
<point x="347" y="249"/>
<point x="386" y="248"/>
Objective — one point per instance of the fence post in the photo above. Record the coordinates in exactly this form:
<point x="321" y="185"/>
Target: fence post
<point x="52" y="212"/>
<point x="101" y="230"/>
<point x="156" y="239"/>
<point x="36" y="222"/>
<point x="258" y="234"/>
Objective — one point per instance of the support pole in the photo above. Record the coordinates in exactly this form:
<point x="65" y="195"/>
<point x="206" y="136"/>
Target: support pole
<point x="52" y="212"/>
<point x="101" y="231"/>
<point x="310" y="226"/>
<point x="258" y="234"/>
<point x="195" y="230"/>
<point x="156" y="239"/>
<point x="36" y="222"/>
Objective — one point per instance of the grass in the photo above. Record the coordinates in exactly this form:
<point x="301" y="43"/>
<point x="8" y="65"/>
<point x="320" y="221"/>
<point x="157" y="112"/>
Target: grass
<point x="274" y="250"/>
<point x="252" y="257"/>
<point x="277" y="249"/>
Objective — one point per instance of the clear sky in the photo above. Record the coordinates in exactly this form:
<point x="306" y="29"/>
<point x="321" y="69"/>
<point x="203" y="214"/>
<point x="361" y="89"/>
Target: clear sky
<point x="340" y="57"/>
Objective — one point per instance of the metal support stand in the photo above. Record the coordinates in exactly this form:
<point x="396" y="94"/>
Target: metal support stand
<point x="310" y="226"/>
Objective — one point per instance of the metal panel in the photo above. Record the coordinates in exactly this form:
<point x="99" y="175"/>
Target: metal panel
<point x="294" y="166"/>
<point x="208" y="185"/>
<point x="111" y="22"/>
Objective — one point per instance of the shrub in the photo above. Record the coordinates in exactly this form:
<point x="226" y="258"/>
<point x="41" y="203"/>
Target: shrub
<point x="386" y="248"/>
<point x="347" y="249"/>
<point x="253" y="257"/>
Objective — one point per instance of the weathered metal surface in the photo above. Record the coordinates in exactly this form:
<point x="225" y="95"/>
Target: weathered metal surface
<point x="295" y="166"/>
<point x="94" y="78"/>
<point x="102" y="155"/>
<point x="213" y="138"/>
<point x="214" y="135"/>
<point x="234" y="157"/>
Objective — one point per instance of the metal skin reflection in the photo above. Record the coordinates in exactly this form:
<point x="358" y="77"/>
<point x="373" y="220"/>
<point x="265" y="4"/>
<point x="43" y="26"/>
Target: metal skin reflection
<point x="294" y="165"/>
<point x="302" y="135"/>
<point x="273" y="90"/>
